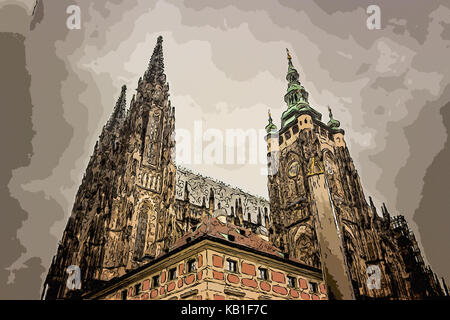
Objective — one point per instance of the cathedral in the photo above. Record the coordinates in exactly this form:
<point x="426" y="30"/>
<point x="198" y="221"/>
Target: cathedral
<point x="144" y="228"/>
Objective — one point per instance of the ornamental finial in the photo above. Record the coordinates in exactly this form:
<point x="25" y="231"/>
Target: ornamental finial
<point x="271" y="127"/>
<point x="288" y="54"/>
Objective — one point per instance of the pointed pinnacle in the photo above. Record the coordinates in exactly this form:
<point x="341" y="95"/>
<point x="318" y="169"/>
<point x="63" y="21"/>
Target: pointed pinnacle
<point x="119" y="109"/>
<point x="155" y="69"/>
<point x="122" y="98"/>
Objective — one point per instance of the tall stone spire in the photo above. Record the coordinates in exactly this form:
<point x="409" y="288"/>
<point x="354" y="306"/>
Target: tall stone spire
<point x="155" y="71"/>
<point x="119" y="112"/>
<point x="296" y="96"/>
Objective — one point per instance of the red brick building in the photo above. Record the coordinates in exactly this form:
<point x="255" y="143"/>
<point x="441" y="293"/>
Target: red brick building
<point x="217" y="260"/>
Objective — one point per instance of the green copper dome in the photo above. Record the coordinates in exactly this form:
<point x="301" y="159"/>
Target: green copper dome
<point x="296" y="97"/>
<point x="271" y="127"/>
<point x="333" y="123"/>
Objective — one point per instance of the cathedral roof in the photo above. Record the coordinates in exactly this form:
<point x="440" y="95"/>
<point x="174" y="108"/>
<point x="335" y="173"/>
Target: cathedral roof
<point x="197" y="189"/>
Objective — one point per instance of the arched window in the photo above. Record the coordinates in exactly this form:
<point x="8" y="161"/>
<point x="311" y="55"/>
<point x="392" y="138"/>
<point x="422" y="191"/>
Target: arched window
<point x="141" y="234"/>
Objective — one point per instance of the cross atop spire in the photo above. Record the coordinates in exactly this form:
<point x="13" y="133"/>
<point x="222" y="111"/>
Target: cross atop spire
<point x="291" y="69"/>
<point x="288" y="54"/>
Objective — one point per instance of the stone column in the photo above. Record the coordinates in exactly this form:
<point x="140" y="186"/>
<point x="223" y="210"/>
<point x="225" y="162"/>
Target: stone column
<point x="334" y="265"/>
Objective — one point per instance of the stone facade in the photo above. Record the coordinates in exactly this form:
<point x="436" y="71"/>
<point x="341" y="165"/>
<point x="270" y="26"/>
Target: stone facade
<point x="133" y="203"/>
<point x="124" y="210"/>
<point x="134" y="206"/>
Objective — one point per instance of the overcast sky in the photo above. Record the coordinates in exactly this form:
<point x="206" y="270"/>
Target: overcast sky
<point x="226" y="65"/>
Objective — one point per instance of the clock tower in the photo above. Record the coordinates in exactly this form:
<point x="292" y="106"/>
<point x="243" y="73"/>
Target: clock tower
<point x="304" y="183"/>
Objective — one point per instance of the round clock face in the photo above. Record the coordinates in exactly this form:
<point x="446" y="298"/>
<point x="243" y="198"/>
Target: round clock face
<point x="293" y="169"/>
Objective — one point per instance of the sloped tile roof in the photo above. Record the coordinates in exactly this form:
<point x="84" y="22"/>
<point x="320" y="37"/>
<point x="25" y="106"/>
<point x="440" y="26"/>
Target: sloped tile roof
<point x="234" y="235"/>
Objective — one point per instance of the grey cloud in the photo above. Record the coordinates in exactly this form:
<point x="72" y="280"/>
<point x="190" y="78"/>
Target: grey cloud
<point x="432" y="216"/>
<point x="16" y="132"/>
<point x="224" y="59"/>
<point x="387" y="83"/>
<point x="38" y="14"/>
<point x="39" y="183"/>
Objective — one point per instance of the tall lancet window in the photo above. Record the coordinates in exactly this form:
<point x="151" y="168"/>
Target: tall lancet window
<point x="140" y="235"/>
<point x="154" y="143"/>
<point x="259" y="219"/>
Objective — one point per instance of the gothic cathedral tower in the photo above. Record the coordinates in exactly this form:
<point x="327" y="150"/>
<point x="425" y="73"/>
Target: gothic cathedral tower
<point x="126" y="212"/>
<point x="316" y="197"/>
<point x="123" y="215"/>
